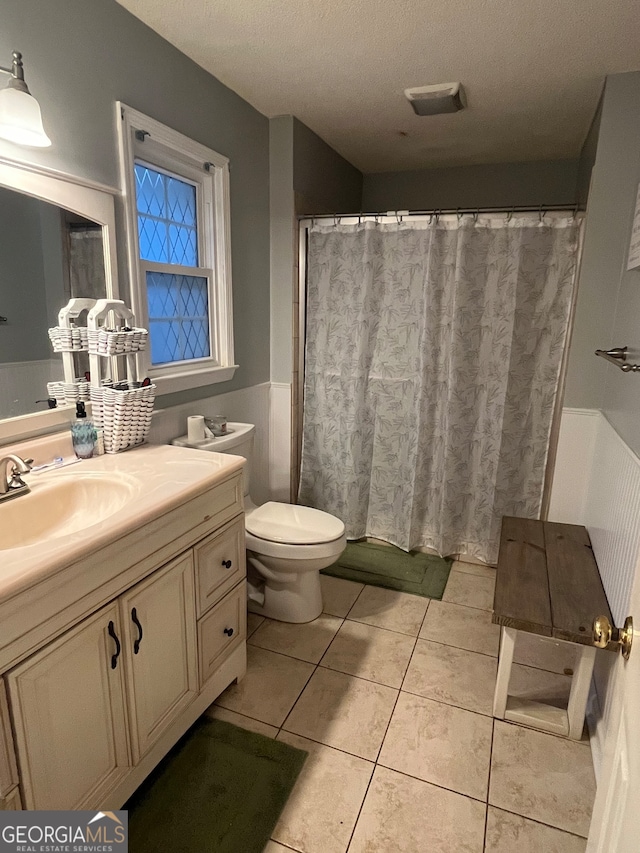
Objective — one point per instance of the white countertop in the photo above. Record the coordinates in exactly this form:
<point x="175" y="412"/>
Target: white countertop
<point x="159" y="477"/>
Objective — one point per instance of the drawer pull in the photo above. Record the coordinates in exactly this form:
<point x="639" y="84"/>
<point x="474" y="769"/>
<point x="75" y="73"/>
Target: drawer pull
<point x="136" y="622"/>
<point x="228" y="632"/>
<point x="112" y="633"/>
<point x="227" y="564"/>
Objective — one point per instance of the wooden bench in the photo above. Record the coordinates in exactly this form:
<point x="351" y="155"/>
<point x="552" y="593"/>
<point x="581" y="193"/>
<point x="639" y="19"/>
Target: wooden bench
<point x="548" y="584"/>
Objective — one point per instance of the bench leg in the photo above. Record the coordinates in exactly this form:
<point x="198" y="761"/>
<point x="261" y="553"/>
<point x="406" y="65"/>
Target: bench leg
<point x="580" y="690"/>
<point x="507" y="647"/>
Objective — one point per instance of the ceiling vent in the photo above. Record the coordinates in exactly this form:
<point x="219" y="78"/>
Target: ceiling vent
<point x="433" y="100"/>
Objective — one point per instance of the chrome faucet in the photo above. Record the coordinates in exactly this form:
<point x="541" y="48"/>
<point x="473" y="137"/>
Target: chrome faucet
<point x="11" y="483"/>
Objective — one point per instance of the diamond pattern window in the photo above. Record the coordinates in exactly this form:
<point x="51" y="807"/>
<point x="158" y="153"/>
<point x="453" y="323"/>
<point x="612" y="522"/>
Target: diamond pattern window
<point x="178" y="217"/>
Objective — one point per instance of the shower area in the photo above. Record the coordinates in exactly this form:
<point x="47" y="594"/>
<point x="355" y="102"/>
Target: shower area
<point x="431" y="360"/>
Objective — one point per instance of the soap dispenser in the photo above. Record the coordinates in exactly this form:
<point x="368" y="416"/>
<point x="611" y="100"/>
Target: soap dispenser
<point x="83" y="435"/>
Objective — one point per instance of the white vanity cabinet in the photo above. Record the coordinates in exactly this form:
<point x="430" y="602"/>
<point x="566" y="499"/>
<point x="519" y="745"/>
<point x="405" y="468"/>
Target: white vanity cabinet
<point x="96" y="708"/>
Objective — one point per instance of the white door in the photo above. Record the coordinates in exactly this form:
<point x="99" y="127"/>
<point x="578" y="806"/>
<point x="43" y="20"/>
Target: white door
<point x="159" y="627"/>
<point x="615" y="825"/>
<point x="70" y="720"/>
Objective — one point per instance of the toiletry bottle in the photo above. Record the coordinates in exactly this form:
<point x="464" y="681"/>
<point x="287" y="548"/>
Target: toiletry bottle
<point x="83" y="435"/>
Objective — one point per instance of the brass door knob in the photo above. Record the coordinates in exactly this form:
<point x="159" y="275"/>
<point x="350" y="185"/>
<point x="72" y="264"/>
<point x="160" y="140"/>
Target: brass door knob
<point x="604" y="633"/>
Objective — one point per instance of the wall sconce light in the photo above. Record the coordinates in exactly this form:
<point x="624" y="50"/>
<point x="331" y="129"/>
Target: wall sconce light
<point x="20" y="117"/>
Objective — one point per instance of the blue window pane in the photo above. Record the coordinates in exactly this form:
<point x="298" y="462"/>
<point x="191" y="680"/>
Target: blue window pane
<point x="150" y="191"/>
<point x="183" y="248"/>
<point x="152" y="237"/>
<point x="178" y="317"/>
<point x="167" y="218"/>
<point x="181" y="202"/>
<point x="162" y="295"/>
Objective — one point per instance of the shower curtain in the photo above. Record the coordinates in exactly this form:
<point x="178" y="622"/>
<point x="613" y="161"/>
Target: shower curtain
<point x="433" y="351"/>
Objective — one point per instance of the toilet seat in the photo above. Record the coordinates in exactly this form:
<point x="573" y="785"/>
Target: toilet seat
<point x="289" y="524"/>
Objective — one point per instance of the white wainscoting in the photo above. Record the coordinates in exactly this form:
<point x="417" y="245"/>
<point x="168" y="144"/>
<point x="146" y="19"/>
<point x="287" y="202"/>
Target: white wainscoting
<point x="597" y="483"/>
<point x="280" y="442"/>
<point x="576" y="446"/>
<point x="248" y="405"/>
<point x="24" y="382"/>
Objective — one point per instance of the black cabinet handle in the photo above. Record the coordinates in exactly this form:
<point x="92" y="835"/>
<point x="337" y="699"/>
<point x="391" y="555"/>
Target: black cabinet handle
<point x="136" y="622"/>
<point x="112" y="633"/>
<point x="227" y="564"/>
<point x="228" y="632"/>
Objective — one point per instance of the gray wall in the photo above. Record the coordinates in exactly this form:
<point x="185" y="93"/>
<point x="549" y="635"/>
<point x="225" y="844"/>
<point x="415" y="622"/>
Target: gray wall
<point x="307" y="176"/>
<point x="22" y="282"/>
<point x="608" y="304"/>
<point x="494" y="185"/>
<point x="83" y="55"/>
<point x="323" y="180"/>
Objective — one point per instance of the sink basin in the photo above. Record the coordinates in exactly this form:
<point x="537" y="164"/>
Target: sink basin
<point x="61" y="505"/>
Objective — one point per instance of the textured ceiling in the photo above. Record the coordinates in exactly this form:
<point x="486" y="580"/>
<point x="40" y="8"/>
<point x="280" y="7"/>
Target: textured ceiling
<point x="532" y="69"/>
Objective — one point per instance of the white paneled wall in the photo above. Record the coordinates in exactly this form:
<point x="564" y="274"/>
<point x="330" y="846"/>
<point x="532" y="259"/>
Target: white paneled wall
<point x="248" y="405"/>
<point x="280" y="442"/>
<point x="24" y="382"/>
<point x="597" y="483"/>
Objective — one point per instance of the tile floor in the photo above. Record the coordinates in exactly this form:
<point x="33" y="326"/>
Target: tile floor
<point x="391" y="696"/>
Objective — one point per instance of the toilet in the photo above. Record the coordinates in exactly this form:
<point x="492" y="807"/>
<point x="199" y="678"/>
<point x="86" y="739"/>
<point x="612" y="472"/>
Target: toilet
<point x="287" y="545"/>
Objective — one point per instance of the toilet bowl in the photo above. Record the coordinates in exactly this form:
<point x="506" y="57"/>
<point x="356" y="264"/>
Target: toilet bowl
<point x="287" y="545"/>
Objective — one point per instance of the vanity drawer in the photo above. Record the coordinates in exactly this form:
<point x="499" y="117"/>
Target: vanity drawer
<point x="220" y="564"/>
<point x="221" y="631"/>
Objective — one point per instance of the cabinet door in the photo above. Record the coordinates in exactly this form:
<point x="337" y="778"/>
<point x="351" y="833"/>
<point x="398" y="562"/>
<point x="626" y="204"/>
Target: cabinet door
<point x="159" y="622"/>
<point x="8" y="769"/>
<point x="70" y="719"/>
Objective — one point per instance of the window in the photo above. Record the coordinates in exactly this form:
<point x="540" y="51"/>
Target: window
<point x="177" y="198"/>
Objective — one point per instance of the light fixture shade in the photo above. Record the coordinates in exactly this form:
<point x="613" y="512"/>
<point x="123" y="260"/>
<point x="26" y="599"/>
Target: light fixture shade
<point x="21" y="120"/>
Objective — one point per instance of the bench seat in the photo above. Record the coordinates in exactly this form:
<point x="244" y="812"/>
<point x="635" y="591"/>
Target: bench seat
<point x="547" y="584"/>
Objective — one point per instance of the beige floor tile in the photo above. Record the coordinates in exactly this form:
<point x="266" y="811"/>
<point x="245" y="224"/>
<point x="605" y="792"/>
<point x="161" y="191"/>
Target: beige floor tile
<point x="470" y="590"/>
<point x="464" y="627"/>
<point x="440" y="744"/>
<point x="546" y="778"/>
<point x="369" y="652"/>
<point x="274" y="847"/>
<point x="544" y="653"/>
<point x="342" y="711"/>
<point x="510" y="833"/>
<point x="254" y="621"/>
<point x="474" y="569"/>
<point x="308" y="641"/>
<point x="539" y="685"/>
<point x="404" y="815"/>
<point x="338" y="595"/>
<point x="269" y="689"/>
<point x="248" y="723"/>
<point x="455" y="676"/>
<point x="323" y="807"/>
<point x="385" y="608"/>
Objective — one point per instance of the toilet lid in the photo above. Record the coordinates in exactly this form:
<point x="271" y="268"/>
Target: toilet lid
<point x="296" y="525"/>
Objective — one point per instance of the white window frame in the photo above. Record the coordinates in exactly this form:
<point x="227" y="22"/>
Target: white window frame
<point x="168" y="151"/>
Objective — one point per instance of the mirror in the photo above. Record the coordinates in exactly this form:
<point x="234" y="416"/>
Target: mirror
<point x="57" y="240"/>
<point x="47" y="255"/>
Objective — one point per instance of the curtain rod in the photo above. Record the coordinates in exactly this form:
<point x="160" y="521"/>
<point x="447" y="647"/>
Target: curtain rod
<point x="444" y="211"/>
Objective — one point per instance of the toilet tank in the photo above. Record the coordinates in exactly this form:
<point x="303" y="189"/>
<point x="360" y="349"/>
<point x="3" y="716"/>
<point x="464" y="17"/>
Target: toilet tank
<point x="238" y="441"/>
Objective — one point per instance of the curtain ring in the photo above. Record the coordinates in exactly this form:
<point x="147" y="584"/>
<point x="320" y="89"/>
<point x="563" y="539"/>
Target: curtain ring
<point x="476" y="215"/>
<point x="458" y="214"/>
<point x="541" y="213"/>
<point x="431" y="217"/>
<point x="438" y="211"/>
<point x="510" y="214"/>
<point x="313" y="222"/>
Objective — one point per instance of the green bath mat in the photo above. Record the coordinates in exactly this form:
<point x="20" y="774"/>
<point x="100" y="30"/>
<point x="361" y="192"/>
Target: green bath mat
<point x="221" y="789"/>
<point x="392" y="568"/>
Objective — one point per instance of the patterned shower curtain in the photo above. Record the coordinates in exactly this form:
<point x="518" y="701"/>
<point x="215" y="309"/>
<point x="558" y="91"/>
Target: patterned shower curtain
<point x="432" y="360"/>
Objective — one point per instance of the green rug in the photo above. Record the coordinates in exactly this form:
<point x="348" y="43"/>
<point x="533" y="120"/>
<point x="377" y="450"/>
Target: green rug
<point x="221" y="789"/>
<point x="392" y="568"/>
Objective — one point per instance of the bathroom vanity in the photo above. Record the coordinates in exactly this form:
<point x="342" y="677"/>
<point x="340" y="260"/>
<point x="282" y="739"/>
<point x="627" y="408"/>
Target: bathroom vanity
<point x="122" y="618"/>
